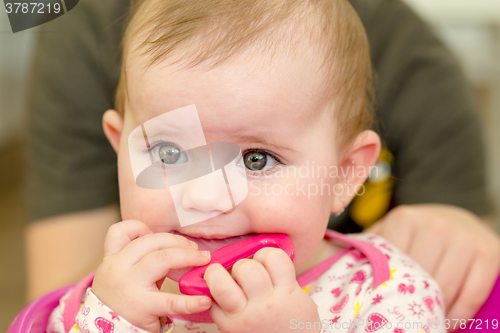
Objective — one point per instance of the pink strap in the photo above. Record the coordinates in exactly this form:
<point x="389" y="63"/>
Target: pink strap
<point x="378" y="260"/>
<point x="72" y="304"/>
<point x="315" y="272"/>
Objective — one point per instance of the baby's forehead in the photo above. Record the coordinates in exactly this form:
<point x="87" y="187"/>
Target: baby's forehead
<point x="251" y="82"/>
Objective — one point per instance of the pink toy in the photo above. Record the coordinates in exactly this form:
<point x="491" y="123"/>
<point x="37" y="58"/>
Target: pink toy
<point x="193" y="283"/>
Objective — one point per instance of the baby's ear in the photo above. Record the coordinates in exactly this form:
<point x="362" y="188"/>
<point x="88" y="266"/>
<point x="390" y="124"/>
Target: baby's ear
<point x="356" y="166"/>
<point x="112" y="124"/>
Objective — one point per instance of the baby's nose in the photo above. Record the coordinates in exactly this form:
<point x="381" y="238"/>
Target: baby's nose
<point x="207" y="194"/>
<point x="203" y="188"/>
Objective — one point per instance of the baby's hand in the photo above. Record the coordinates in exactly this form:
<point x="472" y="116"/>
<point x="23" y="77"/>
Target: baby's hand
<point x="136" y="261"/>
<point x="265" y="298"/>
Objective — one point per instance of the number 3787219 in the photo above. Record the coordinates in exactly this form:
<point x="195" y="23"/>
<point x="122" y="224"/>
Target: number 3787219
<point x="32" y="7"/>
<point x="477" y="324"/>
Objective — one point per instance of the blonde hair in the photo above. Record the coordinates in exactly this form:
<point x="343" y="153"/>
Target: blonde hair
<point x="223" y="28"/>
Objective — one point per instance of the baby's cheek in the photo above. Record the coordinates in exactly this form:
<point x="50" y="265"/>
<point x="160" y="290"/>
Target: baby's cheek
<point x="268" y="213"/>
<point x="153" y="207"/>
<point x="284" y="204"/>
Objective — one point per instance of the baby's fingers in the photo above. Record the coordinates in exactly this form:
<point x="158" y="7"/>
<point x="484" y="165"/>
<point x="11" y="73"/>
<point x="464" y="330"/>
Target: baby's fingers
<point x="122" y="233"/>
<point x="278" y="265"/>
<point x="145" y="244"/>
<point x="162" y="304"/>
<point x="253" y="279"/>
<point x="156" y="265"/>
<point x="224" y="289"/>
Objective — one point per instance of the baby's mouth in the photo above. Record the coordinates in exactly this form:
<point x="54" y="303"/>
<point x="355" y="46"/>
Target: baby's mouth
<point x="213" y="245"/>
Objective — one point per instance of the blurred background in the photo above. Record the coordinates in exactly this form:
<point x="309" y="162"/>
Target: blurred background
<point x="470" y="28"/>
<point x="15" y="52"/>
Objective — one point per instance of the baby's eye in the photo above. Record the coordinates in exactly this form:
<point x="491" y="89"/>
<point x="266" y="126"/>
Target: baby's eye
<point x="171" y="154"/>
<point x="258" y="162"/>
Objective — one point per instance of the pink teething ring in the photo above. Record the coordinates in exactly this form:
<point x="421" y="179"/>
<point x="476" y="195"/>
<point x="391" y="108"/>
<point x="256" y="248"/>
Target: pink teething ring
<point x="193" y="283"/>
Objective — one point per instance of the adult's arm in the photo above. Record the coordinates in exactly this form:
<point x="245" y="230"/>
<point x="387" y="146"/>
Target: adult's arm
<point x="72" y="178"/>
<point x="63" y="249"/>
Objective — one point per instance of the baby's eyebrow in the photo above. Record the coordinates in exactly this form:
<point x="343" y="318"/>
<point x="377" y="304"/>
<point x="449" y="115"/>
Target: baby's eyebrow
<point x="270" y="142"/>
<point x="155" y="131"/>
<point x="259" y="139"/>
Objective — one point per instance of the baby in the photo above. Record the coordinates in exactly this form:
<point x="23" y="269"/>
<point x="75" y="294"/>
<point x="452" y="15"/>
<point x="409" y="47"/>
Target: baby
<point x="289" y="83"/>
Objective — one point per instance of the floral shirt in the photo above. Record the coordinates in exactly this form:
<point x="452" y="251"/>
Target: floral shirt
<point x="370" y="286"/>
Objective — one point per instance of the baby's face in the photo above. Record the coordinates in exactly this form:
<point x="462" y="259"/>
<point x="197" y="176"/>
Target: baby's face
<point x="274" y="113"/>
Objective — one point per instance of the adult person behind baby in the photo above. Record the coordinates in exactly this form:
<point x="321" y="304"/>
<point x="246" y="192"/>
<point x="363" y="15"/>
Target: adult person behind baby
<point x="426" y="117"/>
